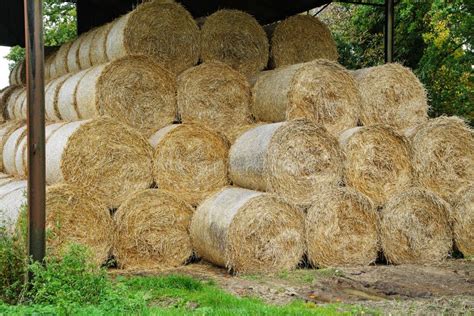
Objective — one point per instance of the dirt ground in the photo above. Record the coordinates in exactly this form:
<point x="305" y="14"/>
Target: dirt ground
<point x="446" y="288"/>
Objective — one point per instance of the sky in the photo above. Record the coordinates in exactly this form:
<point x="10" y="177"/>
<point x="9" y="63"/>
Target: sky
<point x="4" y="71"/>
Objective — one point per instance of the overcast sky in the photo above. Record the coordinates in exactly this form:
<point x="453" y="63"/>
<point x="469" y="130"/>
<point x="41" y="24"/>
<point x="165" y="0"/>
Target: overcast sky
<point x="4" y="72"/>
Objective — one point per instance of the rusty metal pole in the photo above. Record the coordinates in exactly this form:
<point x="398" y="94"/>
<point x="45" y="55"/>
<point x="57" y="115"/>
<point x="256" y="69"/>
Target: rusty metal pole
<point x="35" y="122"/>
<point x="389" y="30"/>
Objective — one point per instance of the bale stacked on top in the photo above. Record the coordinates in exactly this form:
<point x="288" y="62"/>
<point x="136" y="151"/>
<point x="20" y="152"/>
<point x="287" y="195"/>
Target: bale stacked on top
<point x="443" y="155"/>
<point x="391" y="95"/>
<point x="190" y="160"/>
<point x="215" y="95"/>
<point x="18" y="74"/>
<point x="378" y="161"/>
<point x="301" y="38"/>
<point x="134" y="89"/>
<point x="293" y="159"/>
<point x="248" y="231"/>
<point x="76" y="216"/>
<point x="235" y="38"/>
<point x="6" y="129"/>
<point x="12" y="198"/>
<point x="10" y="149"/>
<point x="152" y="231"/>
<point x="5" y="94"/>
<point x="341" y="229"/>
<point x="321" y="91"/>
<point x="463" y="221"/>
<point x="414" y="228"/>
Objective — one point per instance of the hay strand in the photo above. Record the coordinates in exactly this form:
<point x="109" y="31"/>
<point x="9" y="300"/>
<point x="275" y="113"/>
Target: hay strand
<point x="463" y="221"/>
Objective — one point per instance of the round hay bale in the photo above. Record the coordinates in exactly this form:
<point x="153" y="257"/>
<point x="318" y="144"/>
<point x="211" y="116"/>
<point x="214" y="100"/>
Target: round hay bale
<point x="162" y="30"/>
<point x="102" y="155"/>
<point x="391" y="95"/>
<point x="84" y="53"/>
<point x="98" y="48"/>
<point x="341" y="229"/>
<point x="443" y="155"/>
<point x="301" y="38"/>
<point x="11" y="102"/>
<point x="321" y="91"/>
<point x="5" y="95"/>
<point x="463" y="221"/>
<point x="235" y="38"/>
<point x="66" y="102"/>
<point x="189" y="160"/>
<point x="414" y="228"/>
<point x="18" y="74"/>
<point x="215" y="95"/>
<point x="10" y="149"/>
<point x="73" y="64"/>
<point x="152" y="231"/>
<point x="248" y="231"/>
<point x="48" y="65"/>
<point x="377" y="161"/>
<point x="76" y="216"/>
<point x="12" y="199"/>
<point x="61" y="61"/>
<point x="6" y="130"/>
<point x="51" y="98"/>
<point x="292" y="159"/>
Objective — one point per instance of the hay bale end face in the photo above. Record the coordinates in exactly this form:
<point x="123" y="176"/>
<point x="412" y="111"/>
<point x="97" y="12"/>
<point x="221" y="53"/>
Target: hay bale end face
<point x="415" y="228"/>
<point x="235" y="38"/>
<point x="443" y="155"/>
<point x="223" y="232"/>
<point x="190" y="160"/>
<point x="463" y="221"/>
<point x="341" y="229"/>
<point x="152" y="231"/>
<point x="76" y="216"/>
<point x="377" y="161"/>
<point x="301" y="38"/>
<point x="292" y="159"/>
<point x="12" y="199"/>
<point x="391" y="95"/>
<point x="6" y="129"/>
<point x="321" y="91"/>
<point x="215" y="95"/>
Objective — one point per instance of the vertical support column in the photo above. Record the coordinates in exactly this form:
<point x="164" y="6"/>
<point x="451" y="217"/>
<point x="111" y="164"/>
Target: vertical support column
<point x="389" y="30"/>
<point x="36" y="128"/>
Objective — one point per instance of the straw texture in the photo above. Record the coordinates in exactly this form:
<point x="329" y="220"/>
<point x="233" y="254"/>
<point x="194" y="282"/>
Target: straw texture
<point x="463" y="221"/>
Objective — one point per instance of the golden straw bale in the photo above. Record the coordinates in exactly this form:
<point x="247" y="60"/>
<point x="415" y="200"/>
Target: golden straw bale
<point x="443" y="155"/>
<point x="190" y="160"/>
<point x="76" y="216"/>
<point x="10" y="148"/>
<point x="84" y="53"/>
<point x="5" y="95"/>
<point x="341" y="228"/>
<point x="248" y="231"/>
<point x="152" y="231"/>
<point x="6" y="129"/>
<point x="463" y="221"/>
<point x="321" y="91"/>
<point x="301" y="38"/>
<point x="61" y="61"/>
<point x="215" y="95"/>
<point x="98" y="48"/>
<point x="51" y="98"/>
<point x="378" y="161"/>
<point x="391" y="95"/>
<point x="18" y="74"/>
<point x="235" y="38"/>
<point x="73" y="64"/>
<point x="292" y="159"/>
<point x="415" y="228"/>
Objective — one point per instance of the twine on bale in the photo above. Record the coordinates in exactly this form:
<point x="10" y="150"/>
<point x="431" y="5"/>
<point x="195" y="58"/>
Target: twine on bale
<point x="321" y="91"/>
<point x="189" y="160"/>
<point x="463" y="221"/>
<point x="391" y="95"/>
<point x="76" y="216"/>
<point x="377" y="161"/>
<point x="414" y="228"/>
<point x="292" y="159"/>
<point x="235" y="38"/>
<point x="443" y="155"/>
<point x="215" y="95"/>
<point x="341" y="229"/>
<point x="248" y="231"/>
<point x="152" y="231"/>
<point x="301" y="38"/>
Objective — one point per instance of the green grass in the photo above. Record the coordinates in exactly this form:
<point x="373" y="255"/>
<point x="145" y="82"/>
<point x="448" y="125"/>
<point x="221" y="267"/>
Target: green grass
<point x="300" y="276"/>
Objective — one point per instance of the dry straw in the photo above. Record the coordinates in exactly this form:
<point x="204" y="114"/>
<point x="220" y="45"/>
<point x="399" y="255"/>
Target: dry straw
<point x="5" y="95"/>
<point x="463" y="221"/>
<point x="6" y="129"/>
<point x="293" y="159"/>
<point x="341" y="229"/>
<point x="98" y="48"/>
<point x="12" y="198"/>
<point x="18" y="74"/>
<point x="163" y="30"/>
<point x="391" y="95"/>
<point x="73" y="64"/>
<point x="152" y="231"/>
<point x="215" y="95"/>
<point x="75" y="216"/>
<point x="414" y="228"/>
<point x="235" y="38"/>
<point x="321" y="91"/>
<point x="60" y="66"/>
<point x="248" y="232"/>
<point x="378" y="161"/>
<point x="301" y="38"/>
<point x="10" y="149"/>
<point x="190" y="160"/>
<point x="443" y="155"/>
